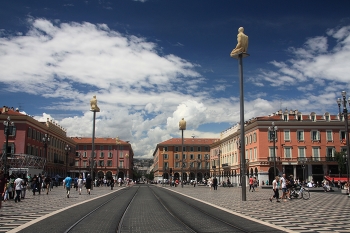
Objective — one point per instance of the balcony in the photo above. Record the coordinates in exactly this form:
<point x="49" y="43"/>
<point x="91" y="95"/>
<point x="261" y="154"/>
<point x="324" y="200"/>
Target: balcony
<point x="271" y="159"/>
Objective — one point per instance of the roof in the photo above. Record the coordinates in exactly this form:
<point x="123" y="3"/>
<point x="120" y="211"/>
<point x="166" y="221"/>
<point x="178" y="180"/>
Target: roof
<point x="189" y="141"/>
<point x="109" y="141"/>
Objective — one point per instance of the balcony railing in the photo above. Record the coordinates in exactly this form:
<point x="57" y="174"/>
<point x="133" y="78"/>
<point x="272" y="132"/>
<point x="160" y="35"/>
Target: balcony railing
<point x="271" y="159"/>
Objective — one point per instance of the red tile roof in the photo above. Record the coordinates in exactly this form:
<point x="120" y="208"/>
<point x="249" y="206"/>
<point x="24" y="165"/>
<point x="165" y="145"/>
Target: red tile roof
<point x="189" y="141"/>
<point x="108" y="141"/>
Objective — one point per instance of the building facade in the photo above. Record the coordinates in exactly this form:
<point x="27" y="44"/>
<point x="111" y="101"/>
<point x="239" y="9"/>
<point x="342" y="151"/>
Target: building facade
<point x="42" y="145"/>
<point x="305" y="146"/>
<point x="195" y="164"/>
<point x="112" y="157"/>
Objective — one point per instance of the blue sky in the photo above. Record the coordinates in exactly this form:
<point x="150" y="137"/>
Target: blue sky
<point x="152" y="62"/>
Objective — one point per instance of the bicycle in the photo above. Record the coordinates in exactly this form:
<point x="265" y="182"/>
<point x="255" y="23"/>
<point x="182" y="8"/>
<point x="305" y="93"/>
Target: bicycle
<point x="302" y="193"/>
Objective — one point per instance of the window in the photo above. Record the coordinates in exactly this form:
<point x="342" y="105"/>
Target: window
<point x="177" y="156"/>
<point x="101" y="154"/>
<point x="29" y="133"/>
<point x="84" y="163"/>
<point x="176" y="148"/>
<point x="109" y="163"/>
<point x="287" y="152"/>
<point x="183" y="156"/>
<point x="110" y="154"/>
<point x="285" y="117"/>
<point x="191" y="156"/>
<point x="316" y="153"/>
<point x="251" y="154"/>
<point x="166" y="165"/>
<point x="301" y="152"/>
<point x="110" y="147"/>
<point x="246" y="140"/>
<point x="330" y="151"/>
<point x="101" y="147"/>
<point x="84" y="154"/>
<point x="199" y="148"/>
<point x="250" y="139"/>
<point x="313" y="117"/>
<point x="165" y="156"/>
<point x="329" y="135"/>
<point x="206" y="148"/>
<point x="184" y="148"/>
<point x="327" y="118"/>
<point x="165" y="148"/>
<point x="199" y="156"/>
<point x="121" y="154"/>
<point x="101" y="163"/>
<point x="254" y="137"/>
<point x="121" y="164"/>
<point x="287" y="135"/>
<point x="300" y="118"/>
<point x="300" y="135"/>
<point x="255" y="153"/>
<point x="85" y="147"/>
<point x="191" y="148"/>
<point x="342" y="136"/>
<point x="94" y="154"/>
<point x="315" y="135"/>
<point x="177" y="164"/>
<point x="271" y="154"/>
<point x="29" y="149"/>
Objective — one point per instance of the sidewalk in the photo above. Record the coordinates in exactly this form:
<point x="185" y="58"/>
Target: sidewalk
<point x="32" y="207"/>
<point x="323" y="212"/>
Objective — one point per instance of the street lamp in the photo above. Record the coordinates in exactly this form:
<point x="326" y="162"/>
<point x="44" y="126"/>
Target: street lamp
<point x="273" y="130"/>
<point x="67" y="149"/>
<point x="219" y="164"/>
<point x="182" y="127"/>
<point x="343" y="102"/>
<point x="9" y="129"/>
<point x="46" y="140"/>
<point x="79" y="154"/>
<point x="94" y="109"/>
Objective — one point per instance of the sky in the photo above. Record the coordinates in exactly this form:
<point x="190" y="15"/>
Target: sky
<point x="151" y="63"/>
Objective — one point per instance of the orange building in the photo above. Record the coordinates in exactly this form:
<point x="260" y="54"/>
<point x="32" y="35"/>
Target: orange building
<point x="112" y="157"/>
<point x="305" y="147"/>
<point x="195" y="164"/>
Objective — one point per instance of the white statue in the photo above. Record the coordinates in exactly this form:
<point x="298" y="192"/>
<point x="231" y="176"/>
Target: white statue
<point x="242" y="43"/>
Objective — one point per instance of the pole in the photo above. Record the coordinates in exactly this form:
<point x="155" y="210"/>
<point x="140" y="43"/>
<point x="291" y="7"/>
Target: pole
<point x="347" y="139"/>
<point x="93" y="148"/>
<point x="7" y="144"/>
<point x="182" y="157"/>
<point x="274" y="152"/>
<point x="244" y="188"/>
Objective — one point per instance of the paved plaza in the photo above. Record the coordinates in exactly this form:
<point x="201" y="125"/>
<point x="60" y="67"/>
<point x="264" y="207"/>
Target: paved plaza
<point x="324" y="212"/>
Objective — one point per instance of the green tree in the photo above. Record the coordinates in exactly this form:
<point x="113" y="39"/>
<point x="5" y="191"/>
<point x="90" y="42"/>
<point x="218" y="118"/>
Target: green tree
<point x="340" y="157"/>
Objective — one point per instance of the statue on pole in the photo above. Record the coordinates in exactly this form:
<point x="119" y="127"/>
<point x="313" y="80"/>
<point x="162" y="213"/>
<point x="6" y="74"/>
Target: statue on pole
<point x="242" y="43"/>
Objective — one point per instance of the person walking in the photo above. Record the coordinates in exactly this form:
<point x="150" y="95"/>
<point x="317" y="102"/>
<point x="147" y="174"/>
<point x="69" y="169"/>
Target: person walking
<point x="275" y="189"/>
<point x="215" y="183"/>
<point x="35" y="184"/>
<point x="251" y="184"/>
<point x="284" y="187"/>
<point x="112" y="183"/>
<point x="80" y="184"/>
<point x="24" y="186"/>
<point x="88" y="184"/>
<point x="18" y="187"/>
<point x="47" y="183"/>
<point x="67" y="184"/>
<point x="3" y="183"/>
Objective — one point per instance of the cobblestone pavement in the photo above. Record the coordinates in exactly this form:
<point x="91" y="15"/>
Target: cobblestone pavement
<point x="33" y="207"/>
<point x="323" y="212"/>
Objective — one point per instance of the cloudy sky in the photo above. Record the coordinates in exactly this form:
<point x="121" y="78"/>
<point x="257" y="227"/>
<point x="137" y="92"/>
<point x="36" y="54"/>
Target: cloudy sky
<point x="152" y="62"/>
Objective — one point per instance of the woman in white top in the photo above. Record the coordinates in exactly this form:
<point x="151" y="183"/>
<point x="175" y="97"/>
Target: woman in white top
<point x="80" y="184"/>
<point x="275" y="189"/>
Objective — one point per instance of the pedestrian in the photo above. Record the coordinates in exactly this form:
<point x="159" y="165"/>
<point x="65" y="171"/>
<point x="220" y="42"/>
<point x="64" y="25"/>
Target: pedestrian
<point x="35" y="184"/>
<point x="47" y="183"/>
<point x="275" y="189"/>
<point x="112" y="183"/>
<point x="284" y="187"/>
<point x="215" y="183"/>
<point x="228" y="182"/>
<point x="24" y="186"/>
<point x="251" y="184"/>
<point x="88" y="184"/>
<point x="67" y="184"/>
<point x="3" y="183"/>
<point x="120" y="181"/>
<point x="18" y="187"/>
<point x="80" y="184"/>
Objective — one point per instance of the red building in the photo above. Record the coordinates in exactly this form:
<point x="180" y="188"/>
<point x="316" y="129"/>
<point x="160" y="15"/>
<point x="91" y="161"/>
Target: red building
<point x="112" y="157"/>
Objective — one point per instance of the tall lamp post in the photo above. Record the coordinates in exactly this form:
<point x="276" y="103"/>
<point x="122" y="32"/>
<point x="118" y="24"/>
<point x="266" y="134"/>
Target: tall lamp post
<point x="46" y="140"/>
<point x="182" y="127"/>
<point x="79" y="154"/>
<point x="94" y="109"/>
<point x="67" y="149"/>
<point x="343" y="102"/>
<point x="273" y="130"/>
<point x="9" y="129"/>
<point x="219" y="164"/>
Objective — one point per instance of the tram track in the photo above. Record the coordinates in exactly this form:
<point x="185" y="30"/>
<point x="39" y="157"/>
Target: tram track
<point x="146" y="208"/>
